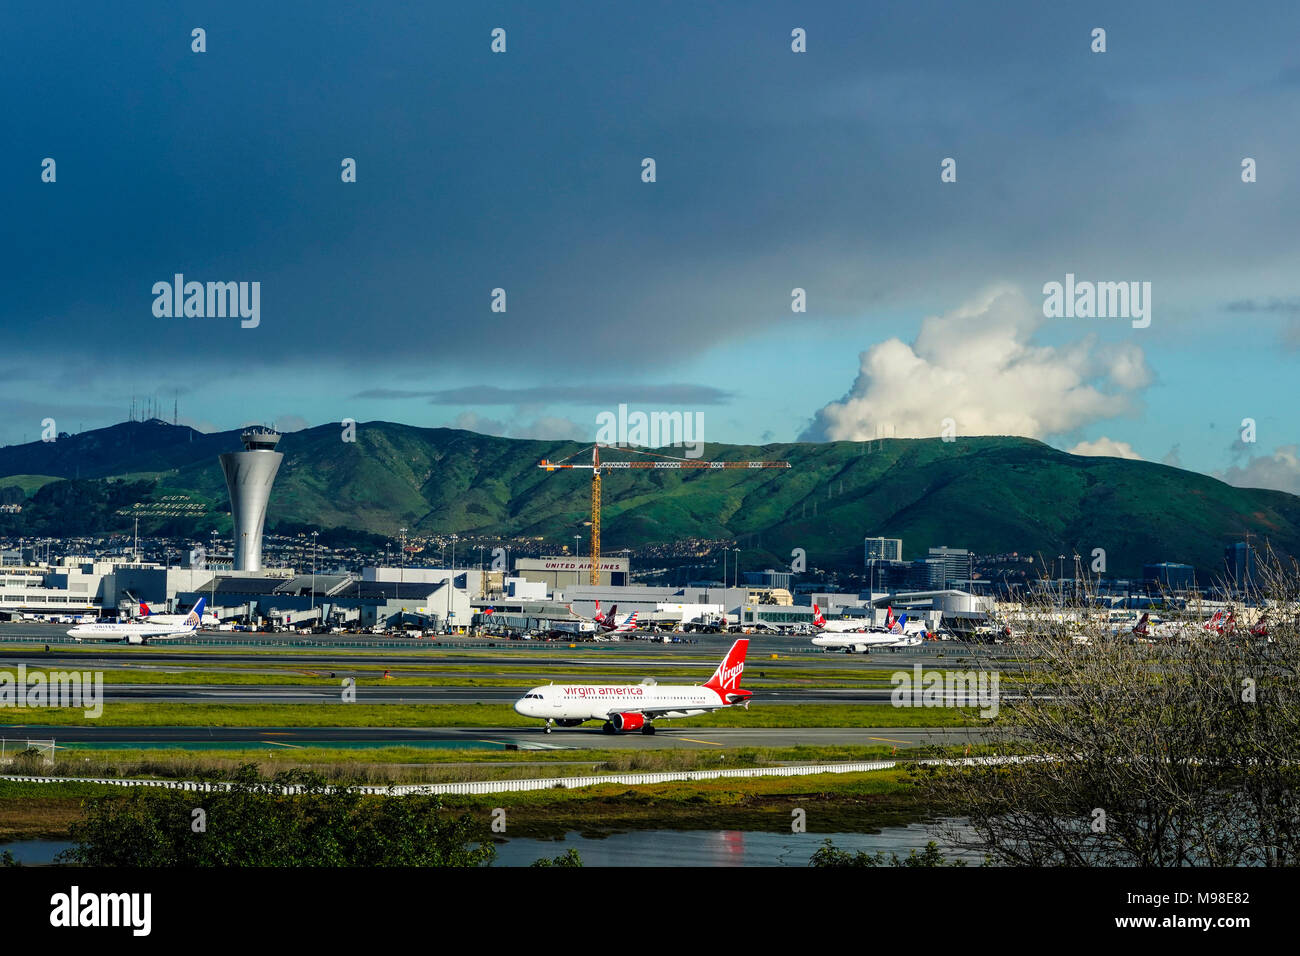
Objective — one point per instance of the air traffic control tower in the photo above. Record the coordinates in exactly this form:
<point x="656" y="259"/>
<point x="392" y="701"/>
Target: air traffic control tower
<point x="249" y="476"/>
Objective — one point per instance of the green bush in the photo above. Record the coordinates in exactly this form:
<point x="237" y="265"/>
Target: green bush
<point x="253" y="824"/>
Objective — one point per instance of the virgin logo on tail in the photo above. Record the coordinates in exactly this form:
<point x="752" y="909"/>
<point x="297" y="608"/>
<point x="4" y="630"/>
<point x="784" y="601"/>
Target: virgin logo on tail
<point x="727" y="676"/>
<point x="818" y="620"/>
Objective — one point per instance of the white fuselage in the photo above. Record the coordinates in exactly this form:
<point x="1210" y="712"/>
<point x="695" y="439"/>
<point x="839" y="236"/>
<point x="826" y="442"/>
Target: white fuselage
<point x="600" y="701"/>
<point x="849" y="627"/>
<point x="130" y="633"/>
<point x="861" y="640"/>
<point x="176" y="620"/>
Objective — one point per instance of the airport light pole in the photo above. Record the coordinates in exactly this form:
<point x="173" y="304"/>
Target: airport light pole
<point x="576" y="538"/>
<point x="212" y="601"/>
<point x="402" y="570"/>
<point x="737" y="571"/>
<point x="451" y="581"/>
<point x="313" y="570"/>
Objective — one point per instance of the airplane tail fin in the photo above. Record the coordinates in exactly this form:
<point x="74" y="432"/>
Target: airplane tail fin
<point x="726" y="679"/>
<point x="818" y="620"/>
<point x="195" y="617"/>
<point x="144" y="609"/>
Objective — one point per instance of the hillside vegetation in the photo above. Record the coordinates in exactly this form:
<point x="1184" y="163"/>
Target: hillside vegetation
<point x="989" y="494"/>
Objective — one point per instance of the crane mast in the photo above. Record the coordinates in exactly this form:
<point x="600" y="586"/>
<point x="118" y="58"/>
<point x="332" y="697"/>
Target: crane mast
<point x="660" y="461"/>
<point x="595" y="515"/>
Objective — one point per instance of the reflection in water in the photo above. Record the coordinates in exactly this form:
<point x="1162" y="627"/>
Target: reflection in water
<point x="718" y="847"/>
<point x="657" y="847"/>
<point x="36" y="852"/>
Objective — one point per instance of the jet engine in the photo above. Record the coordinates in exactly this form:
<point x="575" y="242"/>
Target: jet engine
<point x="626" y="722"/>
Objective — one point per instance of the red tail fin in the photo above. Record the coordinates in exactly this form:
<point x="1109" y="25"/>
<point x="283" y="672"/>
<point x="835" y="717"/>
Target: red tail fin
<point x="726" y="679"/>
<point x="818" y="620"/>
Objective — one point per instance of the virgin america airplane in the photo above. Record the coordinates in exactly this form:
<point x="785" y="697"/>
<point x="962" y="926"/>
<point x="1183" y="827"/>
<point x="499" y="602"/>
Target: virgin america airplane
<point x="629" y="707"/>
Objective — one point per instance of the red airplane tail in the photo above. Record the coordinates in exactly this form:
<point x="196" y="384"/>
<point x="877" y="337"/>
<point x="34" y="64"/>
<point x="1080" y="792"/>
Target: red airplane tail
<point x="725" y="681"/>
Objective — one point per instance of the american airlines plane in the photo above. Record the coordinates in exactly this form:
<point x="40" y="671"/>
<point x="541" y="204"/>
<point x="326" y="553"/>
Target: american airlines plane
<point x="141" y="632"/>
<point x="628" y="707"/>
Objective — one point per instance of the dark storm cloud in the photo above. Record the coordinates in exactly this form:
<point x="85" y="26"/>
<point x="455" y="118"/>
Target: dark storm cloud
<point x="521" y="171"/>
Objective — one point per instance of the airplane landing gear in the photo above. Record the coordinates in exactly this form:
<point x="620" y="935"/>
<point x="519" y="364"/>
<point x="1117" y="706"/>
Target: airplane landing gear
<point x="608" y="728"/>
<point x="547" y="728"/>
<point x="648" y="729"/>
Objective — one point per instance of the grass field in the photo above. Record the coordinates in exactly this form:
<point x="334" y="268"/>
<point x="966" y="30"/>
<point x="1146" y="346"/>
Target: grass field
<point x="133" y="714"/>
<point x="392" y="765"/>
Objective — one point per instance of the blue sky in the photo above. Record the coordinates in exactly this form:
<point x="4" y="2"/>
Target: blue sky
<point x="775" y="170"/>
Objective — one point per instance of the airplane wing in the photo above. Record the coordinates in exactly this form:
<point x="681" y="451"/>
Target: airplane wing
<point x="650" y="713"/>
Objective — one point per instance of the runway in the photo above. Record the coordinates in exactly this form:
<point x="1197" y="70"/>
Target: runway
<point x="523" y="738"/>
<point x="642" y="659"/>
<point x="435" y="694"/>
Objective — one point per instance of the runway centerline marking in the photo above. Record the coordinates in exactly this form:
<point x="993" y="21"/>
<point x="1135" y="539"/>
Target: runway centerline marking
<point x="711" y="743"/>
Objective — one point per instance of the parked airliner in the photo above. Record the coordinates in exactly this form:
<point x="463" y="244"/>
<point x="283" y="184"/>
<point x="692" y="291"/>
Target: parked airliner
<point x="857" y="636"/>
<point x="608" y="622"/>
<point x="629" y="707"/>
<point x="208" y="619"/>
<point x="141" y="632"/>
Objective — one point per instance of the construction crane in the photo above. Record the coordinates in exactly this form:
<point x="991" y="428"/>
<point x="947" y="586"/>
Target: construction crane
<point x="660" y="461"/>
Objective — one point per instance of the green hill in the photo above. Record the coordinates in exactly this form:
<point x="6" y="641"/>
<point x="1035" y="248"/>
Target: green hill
<point x="988" y="494"/>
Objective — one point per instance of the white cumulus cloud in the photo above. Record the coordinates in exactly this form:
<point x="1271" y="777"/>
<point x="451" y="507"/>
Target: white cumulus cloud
<point x="1279" y="471"/>
<point x="1105" y="447"/>
<point x="979" y="366"/>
